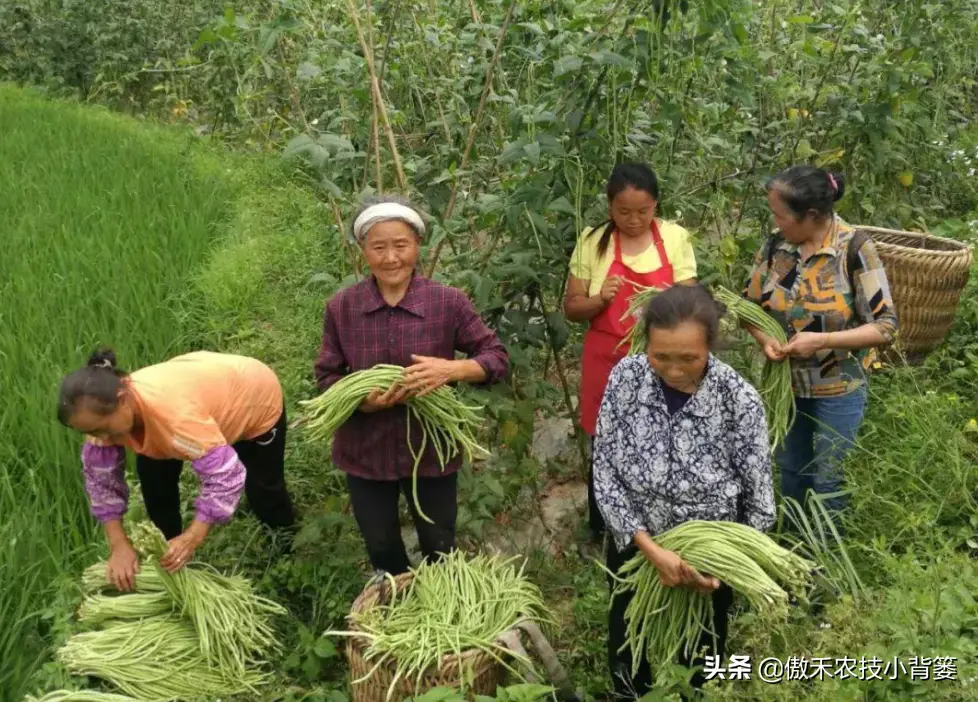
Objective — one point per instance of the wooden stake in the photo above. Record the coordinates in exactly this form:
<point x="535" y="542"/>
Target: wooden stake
<point x="378" y="97"/>
<point x="473" y="128"/>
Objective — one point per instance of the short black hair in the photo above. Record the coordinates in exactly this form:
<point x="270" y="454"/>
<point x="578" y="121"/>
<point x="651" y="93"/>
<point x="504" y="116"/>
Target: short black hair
<point x="685" y="303"/>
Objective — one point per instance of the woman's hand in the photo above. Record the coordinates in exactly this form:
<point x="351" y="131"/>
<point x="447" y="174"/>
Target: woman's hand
<point x="123" y="566"/>
<point x="773" y="350"/>
<point x="384" y="399"/>
<point x="181" y="548"/>
<point x="674" y="571"/>
<point x="610" y="288"/>
<point x="805" y="344"/>
<point x="427" y="374"/>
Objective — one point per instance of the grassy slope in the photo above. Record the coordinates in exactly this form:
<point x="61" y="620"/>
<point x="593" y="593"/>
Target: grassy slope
<point x="90" y="204"/>
<point x="107" y="227"/>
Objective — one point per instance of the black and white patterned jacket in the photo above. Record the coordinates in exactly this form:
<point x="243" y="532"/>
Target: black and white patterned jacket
<point x="710" y="460"/>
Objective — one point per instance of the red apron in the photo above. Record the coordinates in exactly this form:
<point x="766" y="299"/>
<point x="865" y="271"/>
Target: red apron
<point x="602" y="339"/>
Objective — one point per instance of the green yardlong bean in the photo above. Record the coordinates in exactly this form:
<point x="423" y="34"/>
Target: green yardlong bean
<point x="775" y="385"/>
<point x="636" y="338"/>
<point x="447" y="425"/>
<point x="451" y="606"/>
<point x="661" y="622"/>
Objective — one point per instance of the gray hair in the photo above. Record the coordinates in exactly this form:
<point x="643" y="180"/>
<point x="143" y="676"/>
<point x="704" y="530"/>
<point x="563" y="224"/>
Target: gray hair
<point x="374" y="200"/>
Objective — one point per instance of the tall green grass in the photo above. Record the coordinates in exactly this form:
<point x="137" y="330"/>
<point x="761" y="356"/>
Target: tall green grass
<point x="103" y="222"/>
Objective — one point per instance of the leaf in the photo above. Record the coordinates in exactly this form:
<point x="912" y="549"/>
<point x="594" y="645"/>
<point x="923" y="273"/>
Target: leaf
<point x="331" y="187"/>
<point x="559" y="331"/>
<point x="440" y="694"/>
<point x="610" y="58"/>
<point x="533" y="27"/>
<point x="307" y="71"/>
<point x="326" y="278"/>
<point x="335" y="141"/>
<point x="511" y="152"/>
<point x="804" y="150"/>
<point x="510" y="430"/>
<point x="495" y="487"/>
<point x="324" y="648"/>
<point x="532" y="152"/>
<point x="567" y="64"/>
<point x="739" y="32"/>
<point x="562" y="205"/>
<point x="311" y="667"/>
<point x="801" y="19"/>
<point x="832" y="157"/>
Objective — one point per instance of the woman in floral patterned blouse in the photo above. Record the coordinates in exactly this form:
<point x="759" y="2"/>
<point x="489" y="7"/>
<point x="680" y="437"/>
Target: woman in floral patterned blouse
<point x="825" y="284"/>
<point x="680" y="436"/>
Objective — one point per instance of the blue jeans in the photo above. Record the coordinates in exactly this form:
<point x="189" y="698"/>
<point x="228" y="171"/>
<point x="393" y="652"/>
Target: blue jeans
<point x="811" y="459"/>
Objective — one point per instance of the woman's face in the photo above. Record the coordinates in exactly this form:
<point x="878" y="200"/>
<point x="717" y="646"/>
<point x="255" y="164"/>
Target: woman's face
<point x="794" y="229"/>
<point x="112" y="427"/>
<point x="391" y="249"/>
<point x="632" y="211"/>
<point x="679" y="355"/>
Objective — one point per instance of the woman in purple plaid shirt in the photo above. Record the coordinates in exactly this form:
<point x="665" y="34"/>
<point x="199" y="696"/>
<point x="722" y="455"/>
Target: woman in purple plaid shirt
<point x="396" y="316"/>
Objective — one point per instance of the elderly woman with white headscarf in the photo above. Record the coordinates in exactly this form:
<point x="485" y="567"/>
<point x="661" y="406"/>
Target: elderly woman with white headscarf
<point x="398" y="317"/>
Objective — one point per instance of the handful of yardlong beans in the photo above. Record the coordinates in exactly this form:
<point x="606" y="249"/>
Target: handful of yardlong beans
<point x="186" y="635"/>
<point x="779" y="400"/>
<point x="446" y="423"/>
<point x="80" y="696"/>
<point x="635" y="338"/>
<point x="663" y="621"/>
<point x="451" y="606"/>
<point x="231" y="621"/>
<point x="154" y="659"/>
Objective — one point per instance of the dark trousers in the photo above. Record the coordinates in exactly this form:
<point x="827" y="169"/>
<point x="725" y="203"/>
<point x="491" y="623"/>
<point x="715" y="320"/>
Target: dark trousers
<point x="620" y="664"/>
<point x="595" y="518"/>
<point x="375" y="507"/>
<point x="264" y="461"/>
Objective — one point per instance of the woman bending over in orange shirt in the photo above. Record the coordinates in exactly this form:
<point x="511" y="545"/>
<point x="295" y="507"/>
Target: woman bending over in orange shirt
<point x="223" y="413"/>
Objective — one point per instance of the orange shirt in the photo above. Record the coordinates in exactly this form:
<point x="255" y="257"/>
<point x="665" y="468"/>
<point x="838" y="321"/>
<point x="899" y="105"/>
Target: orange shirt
<point x="197" y="402"/>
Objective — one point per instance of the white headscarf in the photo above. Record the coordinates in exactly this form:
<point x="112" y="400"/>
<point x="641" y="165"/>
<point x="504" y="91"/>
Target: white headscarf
<point x="385" y="212"/>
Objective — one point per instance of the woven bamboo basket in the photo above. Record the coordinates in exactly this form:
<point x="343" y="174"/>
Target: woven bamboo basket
<point x="927" y="275"/>
<point x="480" y="672"/>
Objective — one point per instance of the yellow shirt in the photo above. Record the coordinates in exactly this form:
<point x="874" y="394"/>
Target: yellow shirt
<point x="585" y="264"/>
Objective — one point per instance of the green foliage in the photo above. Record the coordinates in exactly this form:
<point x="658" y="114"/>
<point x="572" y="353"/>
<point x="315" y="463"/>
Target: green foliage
<point x="517" y="693"/>
<point x="74" y="276"/>
<point x="716" y="100"/>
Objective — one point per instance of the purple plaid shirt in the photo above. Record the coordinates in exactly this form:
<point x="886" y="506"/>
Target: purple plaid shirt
<point x="362" y="330"/>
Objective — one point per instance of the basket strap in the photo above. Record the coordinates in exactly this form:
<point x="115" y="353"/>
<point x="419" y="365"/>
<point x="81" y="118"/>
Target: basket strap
<point x="853" y="262"/>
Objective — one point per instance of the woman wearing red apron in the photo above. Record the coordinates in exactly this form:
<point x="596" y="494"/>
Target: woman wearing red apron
<point x="633" y="248"/>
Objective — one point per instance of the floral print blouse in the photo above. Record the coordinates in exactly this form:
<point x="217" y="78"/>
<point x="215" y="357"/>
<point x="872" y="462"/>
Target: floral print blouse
<point x="710" y="460"/>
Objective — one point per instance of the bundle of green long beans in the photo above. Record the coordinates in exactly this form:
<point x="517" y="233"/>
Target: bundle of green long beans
<point x="635" y="339"/>
<point x="80" y="696"/>
<point x="446" y="422"/>
<point x="451" y="606"/>
<point x="158" y="658"/>
<point x="192" y="634"/>
<point x="661" y="622"/>
<point x="775" y="382"/>
<point x="231" y="621"/>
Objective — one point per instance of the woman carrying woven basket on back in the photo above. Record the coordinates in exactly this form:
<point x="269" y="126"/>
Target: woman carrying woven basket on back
<point x="633" y="248"/>
<point x="825" y="284"/>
